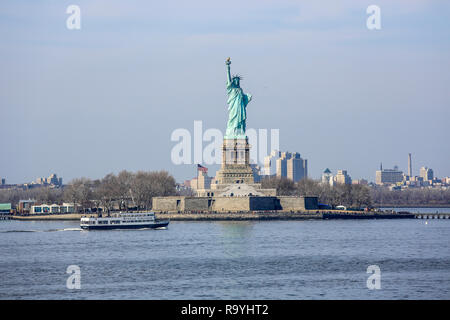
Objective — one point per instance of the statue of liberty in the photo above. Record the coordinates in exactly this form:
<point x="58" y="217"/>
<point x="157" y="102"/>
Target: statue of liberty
<point x="237" y="105"/>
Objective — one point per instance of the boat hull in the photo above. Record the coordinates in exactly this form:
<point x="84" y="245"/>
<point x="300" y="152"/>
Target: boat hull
<point x="153" y="225"/>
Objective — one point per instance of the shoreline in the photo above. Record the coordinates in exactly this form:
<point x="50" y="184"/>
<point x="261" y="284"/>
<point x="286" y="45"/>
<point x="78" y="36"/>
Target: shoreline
<point x="188" y="216"/>
<point x="414" y="206"/>
<point x="239" y="216"/>
<point x="53" y="217"/>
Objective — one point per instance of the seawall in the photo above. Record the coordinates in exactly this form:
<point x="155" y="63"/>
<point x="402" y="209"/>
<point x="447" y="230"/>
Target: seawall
<point x="240" y="216"/>
<point x="49" y="217"/>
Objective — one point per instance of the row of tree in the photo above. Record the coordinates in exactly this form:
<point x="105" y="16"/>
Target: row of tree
<point x="359" y="195"/>
<point x="348" y="195"/>
<point x="40" y="194"/>
<point x="410" y="197"/>
<point x="122" y="189"/>
<point x="138" y="189"/>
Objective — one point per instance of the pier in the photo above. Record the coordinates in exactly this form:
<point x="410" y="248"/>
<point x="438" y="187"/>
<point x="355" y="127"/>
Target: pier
<point x="432" y="215"/>
<point x="368" y="215"/>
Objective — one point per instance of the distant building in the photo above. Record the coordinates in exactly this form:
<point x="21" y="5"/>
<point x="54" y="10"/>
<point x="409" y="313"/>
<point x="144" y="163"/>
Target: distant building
<point x="360" y="181"/>
<point x="203" y="181"/>
<point x="327" y="177"/>
<point x="256" y="172"/>
<point x="285" y="164"/>
<point x="187" y="183"/>
<point x="282" y="165"/>
<point x="270" y="163"/>
<point x="297" y="168"/>
<point x="5" y="208"/>
<point x="409" y="165"/>
<point x="426" y="174"/>
<point x="342" y="177"/>
<point x="52" y="180"/>
<point x="3" y="181"/>
<point x="53" y="208"/>
<point x="24" y="206"/>
<point x="388" y="176"/>
<point x="292" y="166"/>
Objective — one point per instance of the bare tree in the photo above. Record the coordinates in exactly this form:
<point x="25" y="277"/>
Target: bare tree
<point x="284" y="186"/>
<point x="108" y="191"/>
<point x="79" y="191"/>
<point x="147" y="185"/>
<point x="360" y="196"/>
<point x="309" y="187"/>
<point x="125" y="181"/>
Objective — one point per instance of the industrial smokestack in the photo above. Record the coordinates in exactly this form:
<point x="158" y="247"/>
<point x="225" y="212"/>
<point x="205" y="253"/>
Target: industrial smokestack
<point x="409" y="165"/>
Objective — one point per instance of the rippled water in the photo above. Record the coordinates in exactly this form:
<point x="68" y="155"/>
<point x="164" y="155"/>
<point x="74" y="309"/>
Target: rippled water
<point x="228" y="260"/>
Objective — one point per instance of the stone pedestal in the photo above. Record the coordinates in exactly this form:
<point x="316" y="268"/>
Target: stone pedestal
<point x="235" y="163"/>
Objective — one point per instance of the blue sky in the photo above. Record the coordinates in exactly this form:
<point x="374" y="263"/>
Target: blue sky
<point x="107" y="97"/>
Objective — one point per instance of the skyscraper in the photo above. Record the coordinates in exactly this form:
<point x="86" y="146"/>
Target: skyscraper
<point x="343" y="177"/>
<point x="292" y="166"/>
<point x="388" y="176"/>
<point x="270" y="163"/>
<point x="286" y="164"/>
<point x="426" y="173"/>
<point x="327" y="177"/>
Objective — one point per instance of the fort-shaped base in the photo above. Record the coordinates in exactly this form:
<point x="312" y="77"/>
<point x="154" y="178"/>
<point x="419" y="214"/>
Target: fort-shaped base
<point x="235" y="163"/>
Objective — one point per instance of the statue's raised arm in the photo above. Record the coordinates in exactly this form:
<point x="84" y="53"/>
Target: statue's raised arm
<point x="228" y="62"/>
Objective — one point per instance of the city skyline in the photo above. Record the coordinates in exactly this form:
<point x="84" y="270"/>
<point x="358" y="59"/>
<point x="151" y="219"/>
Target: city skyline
<point x="84" y="103"/>
<point x="269" y="168"/>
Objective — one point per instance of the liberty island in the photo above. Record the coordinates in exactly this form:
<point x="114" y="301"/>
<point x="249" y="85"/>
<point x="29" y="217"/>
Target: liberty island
<point x="233" y="193"/>
<point x="234" y="188"/>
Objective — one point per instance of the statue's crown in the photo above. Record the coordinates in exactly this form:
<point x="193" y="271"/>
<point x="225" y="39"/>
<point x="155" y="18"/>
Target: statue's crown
<point x="237" y="76"/>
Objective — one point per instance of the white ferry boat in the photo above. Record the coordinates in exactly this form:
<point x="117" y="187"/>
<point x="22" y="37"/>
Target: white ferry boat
<point x="123" y="220"/>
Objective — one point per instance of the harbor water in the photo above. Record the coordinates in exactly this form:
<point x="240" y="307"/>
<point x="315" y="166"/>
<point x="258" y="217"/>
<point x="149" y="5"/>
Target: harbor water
<point x="323" y="259"/>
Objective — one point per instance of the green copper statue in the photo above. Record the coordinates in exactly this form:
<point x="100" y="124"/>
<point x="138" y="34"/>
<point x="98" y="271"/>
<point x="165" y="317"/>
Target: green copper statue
<point x="237" y="105"/>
